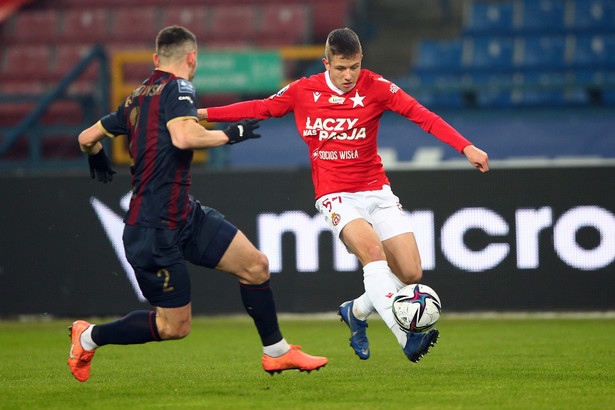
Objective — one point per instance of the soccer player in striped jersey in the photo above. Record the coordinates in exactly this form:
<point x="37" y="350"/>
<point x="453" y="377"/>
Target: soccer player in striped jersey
<point x="337" y="114"/>
<point x="165" y="226"/>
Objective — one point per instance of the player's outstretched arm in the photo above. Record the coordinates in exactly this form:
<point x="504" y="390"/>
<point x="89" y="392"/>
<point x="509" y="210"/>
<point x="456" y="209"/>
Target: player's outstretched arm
<point x="477" y="157"/>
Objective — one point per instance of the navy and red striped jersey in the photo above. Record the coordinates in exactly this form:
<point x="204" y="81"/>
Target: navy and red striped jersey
<point x="160" y="172"/>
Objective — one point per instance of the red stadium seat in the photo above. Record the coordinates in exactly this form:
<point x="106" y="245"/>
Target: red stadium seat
<point x="329" y="15"/>
<point x="36" y="26"/>
<point x="67" y="57"/>
<point x="193" y="18"/>
<point x="290" y="24"/>
<point x="85" y="25"/>
<point x="234" y="22"/>
<point x="134" y="24"/>
<point x="27" y="61"/>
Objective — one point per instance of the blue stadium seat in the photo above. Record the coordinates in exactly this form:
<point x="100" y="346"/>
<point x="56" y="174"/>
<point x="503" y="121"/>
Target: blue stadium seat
<point x="594" y="50"/>
<point x="594" y="15"/>
<point x="542" y="88"/>
<point x="489" y="17"/>
<point x="490" y="53"/>
<point x="439" y="55"/>
<point x="494" y="89"/>
<point x="545" y="52"/>
<point x="544" y="15"/>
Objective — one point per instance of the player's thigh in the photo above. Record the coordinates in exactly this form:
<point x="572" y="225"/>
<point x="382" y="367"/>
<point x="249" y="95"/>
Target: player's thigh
<point x="206" y="237"/>
<point x="395" y="231"/>
<point x="403" y="257"/>
<point x="158" y="265"/>
<point x="361" y="239"/>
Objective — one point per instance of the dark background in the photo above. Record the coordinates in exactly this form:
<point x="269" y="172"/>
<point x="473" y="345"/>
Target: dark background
<point x="55" y="257"/>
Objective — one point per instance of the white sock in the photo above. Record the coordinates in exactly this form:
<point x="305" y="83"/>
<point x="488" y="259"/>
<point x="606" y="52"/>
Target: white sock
<point x="362" y="307"/>
<point x="277" y="349"/>
<point x="86" y="339"/>
<point x="380" y="285"/>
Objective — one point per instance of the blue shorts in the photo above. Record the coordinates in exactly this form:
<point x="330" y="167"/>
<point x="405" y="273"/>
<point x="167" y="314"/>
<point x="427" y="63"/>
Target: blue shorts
<point x="158" y="256"/>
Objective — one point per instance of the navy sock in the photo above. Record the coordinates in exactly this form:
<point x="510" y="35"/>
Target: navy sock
<point x="134" y="328"/>
<point x="258" y="301"/>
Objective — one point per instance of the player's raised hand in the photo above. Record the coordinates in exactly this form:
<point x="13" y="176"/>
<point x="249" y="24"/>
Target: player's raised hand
<point x="242" y="131"/>
<point x="100" y="167"/>
<point x="477" y="157"/>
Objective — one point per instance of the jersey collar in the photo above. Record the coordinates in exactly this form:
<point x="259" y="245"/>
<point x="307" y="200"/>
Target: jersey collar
<point x="333" y="87"/>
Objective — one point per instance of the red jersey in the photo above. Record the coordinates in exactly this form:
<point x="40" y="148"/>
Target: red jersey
<point x="341" y="129"/>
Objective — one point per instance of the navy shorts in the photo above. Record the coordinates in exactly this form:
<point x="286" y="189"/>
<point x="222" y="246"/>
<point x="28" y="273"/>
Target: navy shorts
<point x="158" y="256"/>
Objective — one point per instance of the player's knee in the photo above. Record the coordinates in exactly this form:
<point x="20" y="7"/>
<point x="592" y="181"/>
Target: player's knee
<point x="257" y="271"/>
<point x="415" y="275"/>
<point x="375" y="253"/>
<point x="175" y="331"/>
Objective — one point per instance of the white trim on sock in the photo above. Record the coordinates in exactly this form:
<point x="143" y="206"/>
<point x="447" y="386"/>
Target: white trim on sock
<point x="86" y="339"/>
<point x="277" y="349"/>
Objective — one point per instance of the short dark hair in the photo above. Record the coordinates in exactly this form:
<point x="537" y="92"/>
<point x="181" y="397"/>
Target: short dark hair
<point x="344" y="42"/>
<point x="174" y="42"/>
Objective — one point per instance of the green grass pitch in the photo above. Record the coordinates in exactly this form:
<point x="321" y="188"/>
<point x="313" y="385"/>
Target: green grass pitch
<point x="479" y="363"/>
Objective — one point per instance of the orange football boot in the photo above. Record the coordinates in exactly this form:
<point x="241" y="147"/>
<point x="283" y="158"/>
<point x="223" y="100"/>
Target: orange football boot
<point x="293" y="359"/>
<point x="78" y="358"/>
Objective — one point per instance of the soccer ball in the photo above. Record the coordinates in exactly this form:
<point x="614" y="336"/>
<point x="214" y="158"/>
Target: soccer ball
<point x="416" y="308"/>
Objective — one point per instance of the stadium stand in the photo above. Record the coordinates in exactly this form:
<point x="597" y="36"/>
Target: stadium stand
<point x="524" y="52"/>
<point x="43" y="40"/>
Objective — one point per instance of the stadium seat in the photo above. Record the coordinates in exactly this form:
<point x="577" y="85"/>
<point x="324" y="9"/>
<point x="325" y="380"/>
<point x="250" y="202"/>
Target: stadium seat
<point x="194" y="18"/>
<point x="288" y="23"/>
<point x="328" y="15"/>
<point x="545" y="52"/>
<point x="542" y="88"/>
<point x="439" y="55"/>
<point x="27" y="61"/>
<point x="241" y="18"/>
<point x="136" y="24"/>
<point x="594" y="15"/>
<point x="594" y="50"/>
<point x="489" y="17"/>
<point x="68" y="56"/>
<point x="490" y="53"/>
<point x="544" y="15"/>
<point x="495" y="89"/>
<point x="85" y="25"/>
<point x="36" y="26"/>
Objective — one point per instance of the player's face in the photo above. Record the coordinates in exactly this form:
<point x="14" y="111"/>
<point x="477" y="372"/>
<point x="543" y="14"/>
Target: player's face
<point x="344" y="72"/>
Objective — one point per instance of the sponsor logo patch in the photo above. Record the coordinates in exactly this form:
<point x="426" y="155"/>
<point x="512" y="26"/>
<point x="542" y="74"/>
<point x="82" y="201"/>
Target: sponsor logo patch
<point x="185" y="86"/>
<point x="336" y="100"/>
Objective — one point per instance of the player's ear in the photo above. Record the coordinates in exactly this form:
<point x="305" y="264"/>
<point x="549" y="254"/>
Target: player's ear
<point x="192" y="58"/>
<point x="155" y="58"/>
<point x="326" y="63"/>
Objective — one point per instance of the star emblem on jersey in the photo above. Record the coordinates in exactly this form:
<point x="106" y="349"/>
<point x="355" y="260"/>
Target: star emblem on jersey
<point x="357" y="100"/>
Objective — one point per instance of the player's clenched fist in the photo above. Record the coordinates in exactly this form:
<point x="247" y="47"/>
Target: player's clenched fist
<point x="100" y="167"/>
<point x="242" y="131"/>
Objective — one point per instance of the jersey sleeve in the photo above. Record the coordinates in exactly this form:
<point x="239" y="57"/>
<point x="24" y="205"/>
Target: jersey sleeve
<point x="114" y="124"/>
<point x="404" y="104"/>
<point x="180" y="101"/>
<point x="277" y="105"/>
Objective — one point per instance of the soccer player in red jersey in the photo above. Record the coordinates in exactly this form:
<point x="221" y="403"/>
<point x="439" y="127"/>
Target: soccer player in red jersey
<point x="166" y="226"/>
<point x="337" y="114"/>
